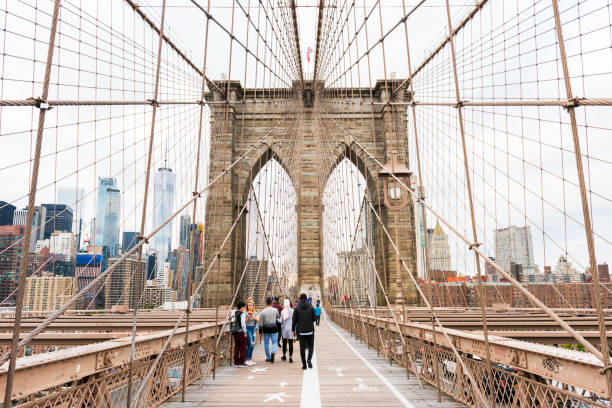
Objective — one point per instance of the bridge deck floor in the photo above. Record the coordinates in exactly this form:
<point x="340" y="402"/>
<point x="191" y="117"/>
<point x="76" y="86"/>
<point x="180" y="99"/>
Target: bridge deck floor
<point x="345" y="374"/>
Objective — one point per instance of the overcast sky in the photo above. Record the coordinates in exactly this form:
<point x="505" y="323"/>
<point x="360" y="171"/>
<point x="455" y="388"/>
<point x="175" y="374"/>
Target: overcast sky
<point x="522" y="160"/>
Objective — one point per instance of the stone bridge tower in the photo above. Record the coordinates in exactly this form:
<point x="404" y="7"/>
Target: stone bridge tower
<point x="364" y="113"/>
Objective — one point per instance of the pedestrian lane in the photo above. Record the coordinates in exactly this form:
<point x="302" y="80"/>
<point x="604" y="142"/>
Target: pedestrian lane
<point x="345" y="373"/>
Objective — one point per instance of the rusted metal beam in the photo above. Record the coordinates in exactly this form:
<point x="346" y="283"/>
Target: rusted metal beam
<point x="42" y="371"/>
<point x="572" y="367"/>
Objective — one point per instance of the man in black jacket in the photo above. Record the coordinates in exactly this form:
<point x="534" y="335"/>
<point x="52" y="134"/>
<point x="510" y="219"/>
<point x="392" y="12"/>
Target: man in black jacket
<point x="303" y="325"/>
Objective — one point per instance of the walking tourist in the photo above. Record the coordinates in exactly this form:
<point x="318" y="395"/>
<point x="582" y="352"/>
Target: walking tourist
<point x="239" y="333"/>
<point x="317" y="310"/>
<point x="268" y="318"/>
<point x="276" y="304"/>
<point x="288" y="337"/>
<point x="252" y="317"/>
<point x="303" y="326"/>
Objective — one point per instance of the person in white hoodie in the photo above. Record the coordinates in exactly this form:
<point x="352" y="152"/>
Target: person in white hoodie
<point x="287" y="334"/>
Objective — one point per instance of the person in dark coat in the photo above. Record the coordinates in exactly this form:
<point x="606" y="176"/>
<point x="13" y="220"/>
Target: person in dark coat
<point x="303" y="325"/>
<point x="279" y="308"/>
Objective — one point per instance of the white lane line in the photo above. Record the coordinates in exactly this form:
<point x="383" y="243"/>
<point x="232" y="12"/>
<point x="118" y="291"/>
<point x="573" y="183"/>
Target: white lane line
<point x="382" y="378"/>
<point x="311" y="393"/>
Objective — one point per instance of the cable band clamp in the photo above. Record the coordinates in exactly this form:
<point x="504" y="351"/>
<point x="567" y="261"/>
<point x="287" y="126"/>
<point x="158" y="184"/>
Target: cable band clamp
<point x="572" y="103"/>
<point x="41" y="103"/>
<point x="474" y="245"/>
<point x="142" y="238"/>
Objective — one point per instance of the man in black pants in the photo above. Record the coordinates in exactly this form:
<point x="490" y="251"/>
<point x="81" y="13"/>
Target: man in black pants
<point x="303" y="324"/>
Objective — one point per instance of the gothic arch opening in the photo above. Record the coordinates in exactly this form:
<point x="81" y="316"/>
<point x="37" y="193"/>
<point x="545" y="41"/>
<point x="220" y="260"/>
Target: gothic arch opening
<point x="348" y="239"/>
<point x="270" y="234"/>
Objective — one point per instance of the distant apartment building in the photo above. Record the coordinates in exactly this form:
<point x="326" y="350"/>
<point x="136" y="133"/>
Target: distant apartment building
<point x="604" y="272"/>
<point x="356" y="279"/>
<point x="40" y="244"/>
<point x="153" y="296"/>
<point x="513" y="245"/>
<point x="439" y="249"/>
<point x="48" y="293"/>
<point x="490" y="272"/>
<point x="565" y="272"/>
<point x="120" y="285"/>
<point x="87" y="269"/>
<point x="11" y="247"/>
<point x="62" y="242"/>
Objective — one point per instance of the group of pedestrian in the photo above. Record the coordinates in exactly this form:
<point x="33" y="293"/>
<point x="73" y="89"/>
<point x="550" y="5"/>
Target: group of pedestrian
<point x="281" y="326"/>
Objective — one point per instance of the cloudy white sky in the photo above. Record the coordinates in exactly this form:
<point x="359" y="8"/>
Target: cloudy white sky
<point x="521" y="159"/>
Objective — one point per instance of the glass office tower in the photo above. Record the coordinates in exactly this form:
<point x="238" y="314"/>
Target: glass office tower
<point x="163" y="209"/>
<point x="106" y="230"/>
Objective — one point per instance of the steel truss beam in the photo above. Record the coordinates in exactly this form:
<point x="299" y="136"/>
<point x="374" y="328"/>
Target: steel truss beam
<point x="575" y="368"/>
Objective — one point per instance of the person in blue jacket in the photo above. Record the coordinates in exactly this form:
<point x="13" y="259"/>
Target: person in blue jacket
<point x="317" y="310"/>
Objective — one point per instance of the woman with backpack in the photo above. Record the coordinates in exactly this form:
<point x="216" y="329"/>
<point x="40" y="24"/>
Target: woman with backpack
<point x="252" y="318"/>
<point x="239" y="333"/>
<point x="287" y="334"/>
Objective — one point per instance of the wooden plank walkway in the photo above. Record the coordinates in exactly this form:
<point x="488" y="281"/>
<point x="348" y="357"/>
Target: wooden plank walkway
<point x="345" y="374"/>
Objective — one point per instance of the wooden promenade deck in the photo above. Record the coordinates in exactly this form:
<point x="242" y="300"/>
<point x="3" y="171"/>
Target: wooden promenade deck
<point x="345" y="374"/>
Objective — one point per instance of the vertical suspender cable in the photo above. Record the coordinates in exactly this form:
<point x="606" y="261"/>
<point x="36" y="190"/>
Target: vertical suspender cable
<point x="195" y="198"/>
<point x="137" y="275"/>
<point x="605" y="353"/>
<point x="483" y="294"/>
<point x="23" y="266"/>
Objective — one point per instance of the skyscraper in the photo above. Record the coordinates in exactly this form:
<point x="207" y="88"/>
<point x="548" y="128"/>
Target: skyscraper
<point x="129" y="240"/>
<point x="184" y="230"/>
<point x="106" y="224"/>
<point x="75" y="199"/>
<point x="6" y="213"/>
<point x="514" y="245"/>
<point x="72" y="197"/>
<point x="58" y="218"/>
<point x="439" y="250"/>
<point x="163" y="208"/>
